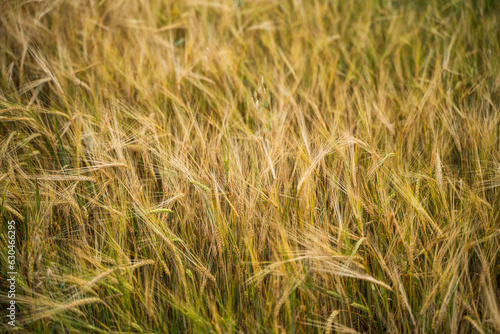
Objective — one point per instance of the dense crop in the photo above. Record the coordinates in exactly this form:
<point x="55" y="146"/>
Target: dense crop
<point x="252" y="166"/>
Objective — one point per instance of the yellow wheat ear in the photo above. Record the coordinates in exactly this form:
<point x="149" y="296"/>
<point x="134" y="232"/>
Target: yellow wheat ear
<point x="439" y="172"/>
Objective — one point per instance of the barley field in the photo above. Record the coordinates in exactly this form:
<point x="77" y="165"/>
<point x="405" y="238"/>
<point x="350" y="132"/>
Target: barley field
<point x="237" y="166"/>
